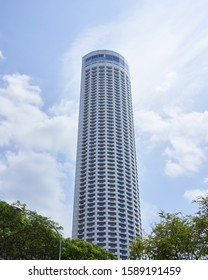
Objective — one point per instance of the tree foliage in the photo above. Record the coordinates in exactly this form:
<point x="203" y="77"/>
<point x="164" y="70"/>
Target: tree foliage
<point x="25" y="235"/>
<point x="77" y="249"/>
<point x="176" y="237"/>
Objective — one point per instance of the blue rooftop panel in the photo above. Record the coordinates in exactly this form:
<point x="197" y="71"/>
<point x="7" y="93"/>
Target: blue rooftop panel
<point x="105" y="57"/>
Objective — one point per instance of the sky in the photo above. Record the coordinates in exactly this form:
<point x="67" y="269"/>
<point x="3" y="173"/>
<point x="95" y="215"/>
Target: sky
<point x="41" y="46"/>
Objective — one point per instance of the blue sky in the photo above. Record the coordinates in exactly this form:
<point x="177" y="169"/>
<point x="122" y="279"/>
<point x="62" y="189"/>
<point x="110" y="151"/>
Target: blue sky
<point x="41" y="46"/>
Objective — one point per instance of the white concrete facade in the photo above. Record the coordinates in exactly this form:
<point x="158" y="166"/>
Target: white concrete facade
<point x="106" y="200"/>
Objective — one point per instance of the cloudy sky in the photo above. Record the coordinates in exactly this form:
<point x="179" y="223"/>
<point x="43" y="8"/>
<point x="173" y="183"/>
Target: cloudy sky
<point x="41" y="46"/>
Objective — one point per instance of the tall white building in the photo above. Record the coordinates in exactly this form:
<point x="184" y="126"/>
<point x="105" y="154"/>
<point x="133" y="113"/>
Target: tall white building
<point x="106" y="201"/>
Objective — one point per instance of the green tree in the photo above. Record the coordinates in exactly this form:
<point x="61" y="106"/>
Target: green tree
<point x="175" y="237"/>
<point x="77" y="249"/>
<point x="25" y="235"/>
<point x="200" y="229"/>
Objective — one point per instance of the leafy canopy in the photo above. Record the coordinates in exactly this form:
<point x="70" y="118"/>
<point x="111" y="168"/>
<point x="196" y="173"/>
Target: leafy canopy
<point x="26" y="235"/>
<point x="176" y="237"/>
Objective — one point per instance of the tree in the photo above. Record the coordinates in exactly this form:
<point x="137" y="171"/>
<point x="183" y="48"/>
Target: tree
<point x="200" y="228"/>
<point x="77" y="249"/>
<point x="176" y="237"/>
<point x="25" y="235"/>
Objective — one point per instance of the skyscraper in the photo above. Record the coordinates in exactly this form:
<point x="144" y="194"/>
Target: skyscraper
<point x="106" y="200"/>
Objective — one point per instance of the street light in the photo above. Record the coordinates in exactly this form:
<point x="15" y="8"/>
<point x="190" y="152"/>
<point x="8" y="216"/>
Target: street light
<point x="56" y="230"/>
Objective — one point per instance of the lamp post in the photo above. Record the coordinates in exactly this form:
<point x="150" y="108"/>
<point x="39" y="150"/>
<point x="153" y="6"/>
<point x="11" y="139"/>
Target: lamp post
<point x="52" y="226"/>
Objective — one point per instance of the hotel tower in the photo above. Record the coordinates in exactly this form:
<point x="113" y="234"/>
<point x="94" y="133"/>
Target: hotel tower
<point x="106" y="199"/>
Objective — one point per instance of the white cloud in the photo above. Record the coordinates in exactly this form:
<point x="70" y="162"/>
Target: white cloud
<point x="191" y="195"/>
<point x="149" y="215"/>
<point x="205" y="181"/>
<point x="1" y="56"/>
<point x="170" y="79"/>
<point x="184" y="157"/>
<point x="19" y="88"/>
<point x="184" y="136"/>
<point x="37" y="149"/>
<point x="32" y="174"/>
<point x="26" y="125"/>
<point x="38" y="180"/>
<point x="65" y="107"/>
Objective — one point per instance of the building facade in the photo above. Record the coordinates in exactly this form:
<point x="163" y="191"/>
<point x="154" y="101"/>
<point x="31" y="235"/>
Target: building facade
<point x="106" y="199"/>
